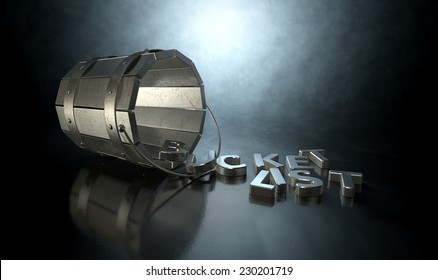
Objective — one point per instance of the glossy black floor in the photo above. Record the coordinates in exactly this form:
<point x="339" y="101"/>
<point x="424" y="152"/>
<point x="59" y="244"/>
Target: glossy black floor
<point x="217" y="219"/>
<point x="366" y="130"/>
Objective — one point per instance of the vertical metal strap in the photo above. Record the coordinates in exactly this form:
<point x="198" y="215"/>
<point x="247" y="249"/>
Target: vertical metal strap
<point x="112" y="92"/>
<point x="69" y="100"/>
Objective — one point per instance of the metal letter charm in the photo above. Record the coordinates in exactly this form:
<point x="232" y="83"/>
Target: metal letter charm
<point x="258" y="163"/>
<point x="173" y="151"/>
<point x="194" y="168"/>
<point x="351" y="182"/>
<point x="277" y="179"/>
<point x="317" y="157"/>
<point x="230" y="166"/>
<point x="260" y="186"/>
<point x="305" y="185"/>
<point x="297" y="163"/>
<point x="271" y="161"/>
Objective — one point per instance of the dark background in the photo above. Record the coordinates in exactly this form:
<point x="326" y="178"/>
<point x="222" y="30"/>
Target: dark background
<point x="350" y="76"/>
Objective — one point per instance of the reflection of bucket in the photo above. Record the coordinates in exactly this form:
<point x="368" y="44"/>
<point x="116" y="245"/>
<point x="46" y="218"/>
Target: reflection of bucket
<point x="153" y="96"/>
<point x="135" y="209"/>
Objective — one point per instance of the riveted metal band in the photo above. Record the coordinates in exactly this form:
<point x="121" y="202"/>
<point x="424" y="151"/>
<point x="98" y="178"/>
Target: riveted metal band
<point x="113" y="91"/>
<point x="69" y="100"/>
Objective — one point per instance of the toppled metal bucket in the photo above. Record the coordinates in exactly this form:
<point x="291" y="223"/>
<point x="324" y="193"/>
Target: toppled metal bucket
<point x="151" y="101"/>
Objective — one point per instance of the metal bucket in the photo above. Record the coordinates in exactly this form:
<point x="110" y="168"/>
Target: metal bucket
<point x="116" y="105"/>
